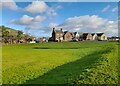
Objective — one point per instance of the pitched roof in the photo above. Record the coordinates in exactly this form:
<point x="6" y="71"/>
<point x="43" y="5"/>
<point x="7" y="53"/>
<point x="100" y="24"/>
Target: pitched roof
<point x="79" y="33"/>
<point x="75" y="33"/>
<point x="58" y="31"/>
<point x="93" y="34"/>
<point x="85" y="34"/>
<point x="66" y="32"/>
<point x="72" y="33"/>
<point x="100" y="34"/>
<point x="115" y="37"/>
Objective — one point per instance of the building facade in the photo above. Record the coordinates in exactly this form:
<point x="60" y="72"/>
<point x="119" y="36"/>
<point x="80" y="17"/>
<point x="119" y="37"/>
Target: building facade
<point x="60" y="35"/>
<point x="67" y="36"/>
<point x="101" y="36"/>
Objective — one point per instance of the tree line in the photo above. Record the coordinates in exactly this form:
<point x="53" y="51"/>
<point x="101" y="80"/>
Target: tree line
<point x="11" y="36"/>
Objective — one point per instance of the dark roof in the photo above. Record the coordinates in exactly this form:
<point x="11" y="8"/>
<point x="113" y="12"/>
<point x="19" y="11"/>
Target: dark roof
<point x="80" y="33"/>
<point x="85" y="34"/>
<point x="72" y="33"/>
<point x="115" y="37"/>
<point x="100" y="34"/>
<point x="93" y="34"/>
<point x="65" y="32"/>
<point x="75" y="33"/>
<point x="69" y="32"/>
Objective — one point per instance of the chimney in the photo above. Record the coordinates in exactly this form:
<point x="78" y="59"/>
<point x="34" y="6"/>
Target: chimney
<point x="61" y="29"/>
<point x="53" y="29"/>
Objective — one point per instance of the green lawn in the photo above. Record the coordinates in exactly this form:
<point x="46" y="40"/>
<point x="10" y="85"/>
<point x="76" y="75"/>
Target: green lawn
<point x="60" y="63"/>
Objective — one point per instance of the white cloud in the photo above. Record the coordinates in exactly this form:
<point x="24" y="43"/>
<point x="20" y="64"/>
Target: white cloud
<point x="106" y="8"/>
<point x="111" y="22"/>
<point x="37" y="7"/>
<point x="42" y="8"/>
<point x="40" y="31"/>
<point x="90" y="24"/>
<point x="34" y="8"/>
<point x="32" y="24"/>
<point x="10" y="4"/>
<point x="85" y="23"/>
<point x="115" y="9"/>
<point x="39" y="18"/>
<point x="25" y="20"/>
<point x="51" y="12"/>
<point x="28" y="21"/>
<point x="51" y="25"/>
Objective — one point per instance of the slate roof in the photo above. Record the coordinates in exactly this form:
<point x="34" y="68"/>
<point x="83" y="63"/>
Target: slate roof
<point x="72" y="33"/>
<point x="58" y="31"/>
<point x="100" y="34"/>
<point x="85" y="35"/>
<point x="93" y="34"/>
<point x="66" y="32"/>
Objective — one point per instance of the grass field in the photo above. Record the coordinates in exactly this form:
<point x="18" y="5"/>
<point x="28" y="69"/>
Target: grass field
<point x="60" y="63"/>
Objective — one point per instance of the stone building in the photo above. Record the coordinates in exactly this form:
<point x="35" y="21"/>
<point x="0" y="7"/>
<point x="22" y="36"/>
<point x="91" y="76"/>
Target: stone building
<point x="86" y="36"/>
<point x="67" y="36"/>
<point x="94" y="36"/>
<point x="57" y="35"/>
<point x="60" y="35"/>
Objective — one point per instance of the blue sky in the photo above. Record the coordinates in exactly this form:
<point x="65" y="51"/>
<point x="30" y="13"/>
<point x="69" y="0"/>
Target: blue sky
<point x="38" y="18"/>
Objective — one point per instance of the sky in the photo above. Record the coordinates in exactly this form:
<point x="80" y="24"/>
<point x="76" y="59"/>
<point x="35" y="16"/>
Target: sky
<point x="37" y="18"/>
